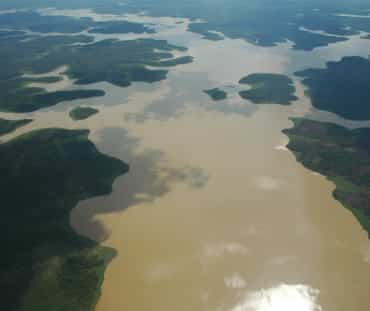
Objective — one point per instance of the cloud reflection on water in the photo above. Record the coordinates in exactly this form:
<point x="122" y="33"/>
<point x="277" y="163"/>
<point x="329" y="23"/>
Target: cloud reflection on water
<point x="283" y="297"/>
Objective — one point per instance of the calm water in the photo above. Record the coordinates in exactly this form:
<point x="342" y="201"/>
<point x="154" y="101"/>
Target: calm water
<point x="215" y="213"/>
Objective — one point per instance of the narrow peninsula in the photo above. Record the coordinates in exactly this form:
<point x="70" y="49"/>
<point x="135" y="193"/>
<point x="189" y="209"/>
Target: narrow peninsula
<point x="8" y="126"/>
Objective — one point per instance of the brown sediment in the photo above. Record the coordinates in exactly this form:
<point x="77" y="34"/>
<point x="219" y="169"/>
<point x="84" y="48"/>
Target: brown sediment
<point x="215" y="213"/>
<point x="260" y="216"/>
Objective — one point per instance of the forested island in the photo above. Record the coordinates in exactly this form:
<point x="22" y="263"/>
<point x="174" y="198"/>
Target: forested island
<point x="45" y="264"/>
<point x="268" y="88"/>
<point x="82" y="113"/>
<point x="340" y="154"/>
<point x="216" y="94"/>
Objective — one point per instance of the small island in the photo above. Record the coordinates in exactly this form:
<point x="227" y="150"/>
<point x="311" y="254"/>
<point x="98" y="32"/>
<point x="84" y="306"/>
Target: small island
<point x="82" y="113"/>
<point x="216" y="94"/>
<point x="340" y="154"/>
<point x="175" y="61"/>
<point x="8" y="126"/>
<point x="44" y="262"/>
<point x="342" y="87"/>
<point x="268" y="88"/>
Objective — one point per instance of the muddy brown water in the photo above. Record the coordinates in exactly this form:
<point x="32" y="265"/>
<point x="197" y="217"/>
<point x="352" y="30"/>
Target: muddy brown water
<point x="215" y="213"/>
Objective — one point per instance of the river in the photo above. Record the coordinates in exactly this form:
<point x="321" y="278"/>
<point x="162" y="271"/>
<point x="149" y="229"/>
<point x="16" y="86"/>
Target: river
<point x="215" y="213"/>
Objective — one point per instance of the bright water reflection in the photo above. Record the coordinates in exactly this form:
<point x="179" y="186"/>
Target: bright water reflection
<point x="215" y="213"/>
<point x="281" y="298"/>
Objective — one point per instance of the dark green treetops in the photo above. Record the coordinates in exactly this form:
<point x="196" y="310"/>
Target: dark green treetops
<point x="82" y="113"/>
<point x="340" y="154"/>
<point x="342" y="87"/>
<point x="268" y="88"/>
<point x="45" y="264"/>
<point x="216" y="94"/>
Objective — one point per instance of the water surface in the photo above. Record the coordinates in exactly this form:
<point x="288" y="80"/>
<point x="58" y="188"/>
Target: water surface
<point x="215" y="213"/>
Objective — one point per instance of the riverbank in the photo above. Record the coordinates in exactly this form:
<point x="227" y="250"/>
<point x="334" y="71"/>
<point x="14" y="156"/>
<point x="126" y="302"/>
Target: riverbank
<point x="47" y="266"/>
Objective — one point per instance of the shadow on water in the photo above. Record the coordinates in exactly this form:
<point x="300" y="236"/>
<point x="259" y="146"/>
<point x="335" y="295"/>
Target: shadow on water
<point x="149" y="178"/>
<point x="187" y="89"/>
